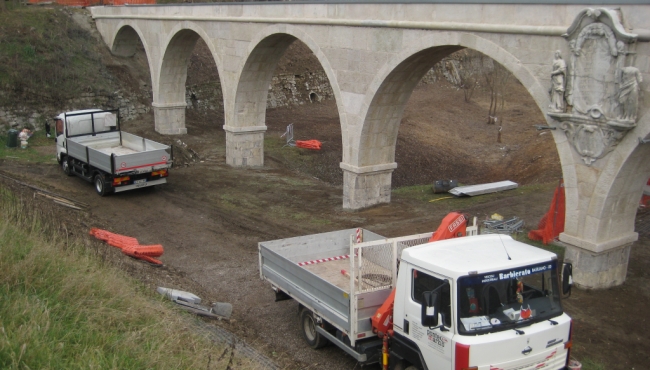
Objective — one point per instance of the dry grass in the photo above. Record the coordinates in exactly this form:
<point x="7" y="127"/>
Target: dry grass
<point x="62" y="308"/>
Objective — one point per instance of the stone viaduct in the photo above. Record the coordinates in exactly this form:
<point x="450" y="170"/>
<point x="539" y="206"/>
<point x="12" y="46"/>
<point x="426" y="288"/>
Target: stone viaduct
<point x="586" y="65"/>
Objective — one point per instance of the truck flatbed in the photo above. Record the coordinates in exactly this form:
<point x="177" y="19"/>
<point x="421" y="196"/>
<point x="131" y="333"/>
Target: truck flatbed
<point x="330" y="271"/>
<point x="322" y="287"/>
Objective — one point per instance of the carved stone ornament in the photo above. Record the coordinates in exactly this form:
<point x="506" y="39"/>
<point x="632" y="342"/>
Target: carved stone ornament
<point x="600" y="91"/>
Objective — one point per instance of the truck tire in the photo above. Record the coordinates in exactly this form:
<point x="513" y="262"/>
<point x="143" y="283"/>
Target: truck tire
<point x="403" y="366"/>
<point x="65" y="165"/>
<point x="308" y="326"/>
<point x="100" y="185"/>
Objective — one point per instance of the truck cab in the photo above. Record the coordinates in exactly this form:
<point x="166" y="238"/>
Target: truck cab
<point x="481" y="302"/>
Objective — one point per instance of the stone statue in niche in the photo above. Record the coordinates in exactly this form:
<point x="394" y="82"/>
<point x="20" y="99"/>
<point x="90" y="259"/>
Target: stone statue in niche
<point x="601" y="90"/>
<point x="628" y="95"/>
<point x="558" y="82"/>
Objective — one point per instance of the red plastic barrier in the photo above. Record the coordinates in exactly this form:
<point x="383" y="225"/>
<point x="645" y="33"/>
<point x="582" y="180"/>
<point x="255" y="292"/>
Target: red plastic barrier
<point x="552" y="224"/>
<point x="309" y="144"/>
<point x="75" y="2"/>
<point x="121" y="241"/>
<point x="144" y="250"/>
<point x="84" y="3"/>
<point x="130" y="246"/>
<point x="100" y="234"/>
<point x="132" y="2"/>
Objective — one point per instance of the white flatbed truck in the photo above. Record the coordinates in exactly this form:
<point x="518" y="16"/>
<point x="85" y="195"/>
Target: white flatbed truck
<point x="483" y="302"/>
<point x="90" y="144"/>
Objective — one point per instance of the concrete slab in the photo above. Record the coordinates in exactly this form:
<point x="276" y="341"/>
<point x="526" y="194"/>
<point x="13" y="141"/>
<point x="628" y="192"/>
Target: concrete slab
<point x="493" y="187"/>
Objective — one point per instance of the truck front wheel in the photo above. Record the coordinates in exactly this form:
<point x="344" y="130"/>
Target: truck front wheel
<point x="65" y="165"/>
<point x="403" y="366"/>
<point x="308" y="325"/>
<point x="100" y="185"/>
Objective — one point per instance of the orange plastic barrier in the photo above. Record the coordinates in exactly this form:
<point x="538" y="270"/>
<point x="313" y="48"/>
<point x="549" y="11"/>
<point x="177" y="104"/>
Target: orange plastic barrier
<point x="309" y="144"/>
<point x="145" y="252"/>
<point x="133" y="2"/>
<point x="130" y="246"/>
<point x="552" y="224"/>
<point x="75" y="2"/>
<point x="84" y="3"/>
<point x="100" y="234"/>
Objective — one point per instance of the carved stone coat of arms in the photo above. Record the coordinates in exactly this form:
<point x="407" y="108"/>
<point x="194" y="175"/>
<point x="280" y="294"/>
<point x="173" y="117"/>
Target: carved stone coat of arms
<point x="595" y="97"/>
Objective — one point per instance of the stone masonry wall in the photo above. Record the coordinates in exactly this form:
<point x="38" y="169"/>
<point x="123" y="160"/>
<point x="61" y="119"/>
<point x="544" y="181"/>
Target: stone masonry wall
<point x="285" y="90"/>
<point x="289" y="89"/>
<point x="33" y="115"/>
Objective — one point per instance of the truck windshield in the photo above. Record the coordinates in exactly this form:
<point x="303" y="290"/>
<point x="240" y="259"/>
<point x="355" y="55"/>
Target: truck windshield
<point x="508" y="299"/>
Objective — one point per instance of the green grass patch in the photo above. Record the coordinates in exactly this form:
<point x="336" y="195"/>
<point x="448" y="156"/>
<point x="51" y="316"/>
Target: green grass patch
<point x="292" y="156"/>
<point x="61" y="308"/>
<point x="591" y="364"/>
<point x="320" y="221"/>
<point x="29" y="154"/>
<point x="424" y="193"/>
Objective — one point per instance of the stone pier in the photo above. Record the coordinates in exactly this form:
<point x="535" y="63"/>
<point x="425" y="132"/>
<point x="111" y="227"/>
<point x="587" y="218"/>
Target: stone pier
<point x="366" y="186"/>
<point x="170" y="118"/>
<point x="245" y="146"/>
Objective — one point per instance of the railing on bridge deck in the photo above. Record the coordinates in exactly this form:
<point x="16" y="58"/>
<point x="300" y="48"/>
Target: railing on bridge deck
<point x="84" y="3"/>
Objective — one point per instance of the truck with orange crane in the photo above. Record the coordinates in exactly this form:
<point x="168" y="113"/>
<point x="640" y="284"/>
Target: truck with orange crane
<point x="450" y="299"/>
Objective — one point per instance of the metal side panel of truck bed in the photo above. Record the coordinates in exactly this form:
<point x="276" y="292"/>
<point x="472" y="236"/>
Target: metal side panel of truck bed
<point x="134" y="153"/>
<point x="342" y="279"/>
<point x="146" y="153"/>
<point x="279" y="264"/>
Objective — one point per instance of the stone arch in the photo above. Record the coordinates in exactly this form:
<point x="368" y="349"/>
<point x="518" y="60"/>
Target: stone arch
<point x="125" y="42"/>
<point x="245" y="121"/>
<point x="390" y="90"/>
<point x="169" y="87"/>
<point x="395" y="82"/>
<point x="176" y="55"/>
<point x="600" y="232"/>
<point x="265" y="50"/>
<point x="611" y="203"/>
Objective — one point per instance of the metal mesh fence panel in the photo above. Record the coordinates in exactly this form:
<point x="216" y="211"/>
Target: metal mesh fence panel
<point x="375" y="262"/>
<point x="401" y="245"/>
<point x="407" y="243"/>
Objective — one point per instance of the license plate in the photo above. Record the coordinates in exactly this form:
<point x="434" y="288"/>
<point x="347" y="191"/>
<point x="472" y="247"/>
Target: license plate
<point x="143" y="181"/>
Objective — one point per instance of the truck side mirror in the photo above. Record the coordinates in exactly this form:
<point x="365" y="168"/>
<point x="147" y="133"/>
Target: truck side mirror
<point x="567" y="278"/>
<point x="430" y="308"/>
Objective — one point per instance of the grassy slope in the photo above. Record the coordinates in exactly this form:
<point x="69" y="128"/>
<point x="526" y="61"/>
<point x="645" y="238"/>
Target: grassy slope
<point x="61" y="308"/>
<point x="45" y="57"/>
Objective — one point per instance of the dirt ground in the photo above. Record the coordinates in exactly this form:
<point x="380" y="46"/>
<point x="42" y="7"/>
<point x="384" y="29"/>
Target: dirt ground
<point x="210" y="217"/>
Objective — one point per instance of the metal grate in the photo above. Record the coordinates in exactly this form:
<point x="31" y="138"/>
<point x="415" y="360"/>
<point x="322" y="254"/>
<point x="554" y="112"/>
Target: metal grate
<point x="289" y="136"/>
<point x="513" y="225"/>
<point x="377" y="262"/>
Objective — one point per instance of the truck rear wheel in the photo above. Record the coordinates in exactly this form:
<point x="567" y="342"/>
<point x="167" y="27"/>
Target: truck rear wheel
<point x="100" y="185"/>
<point x="308" y="326"/>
